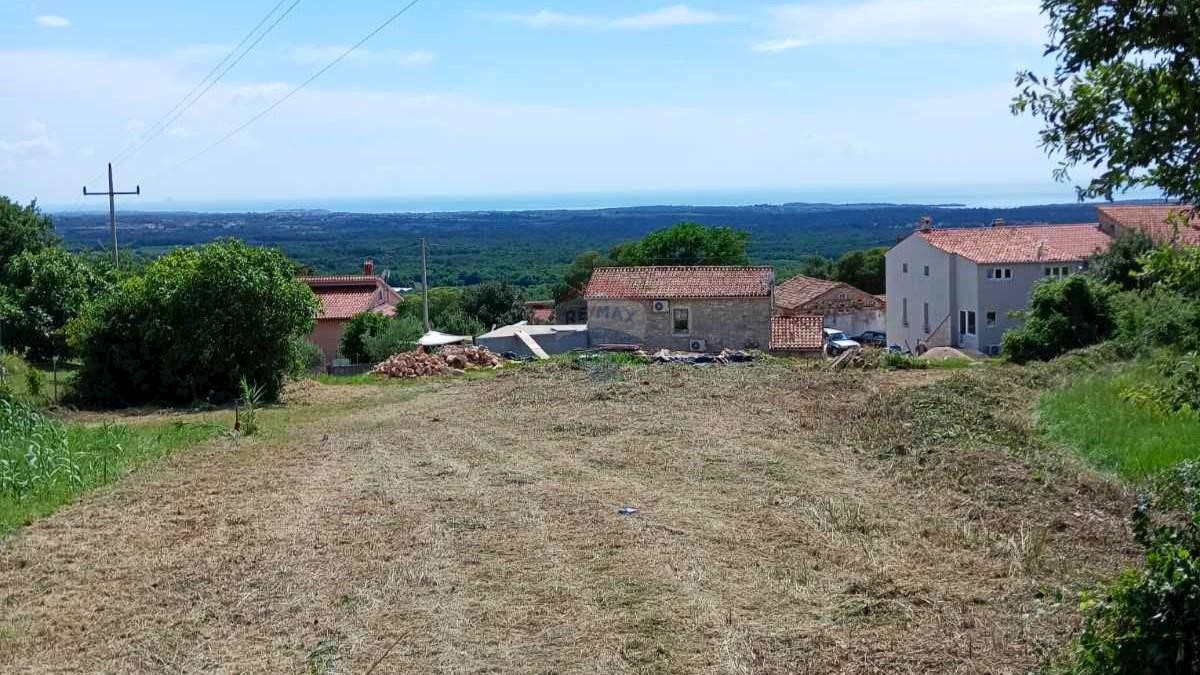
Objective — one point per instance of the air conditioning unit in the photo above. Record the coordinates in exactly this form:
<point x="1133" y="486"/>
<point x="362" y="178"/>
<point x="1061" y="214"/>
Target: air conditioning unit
<point x="993" y="350"/>
<point x="697" y="345"/>
<point x="661" y="306"/>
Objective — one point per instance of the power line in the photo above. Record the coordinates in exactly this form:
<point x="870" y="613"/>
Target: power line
<point x="295" y="90"/>
<point x="175" y="113"/>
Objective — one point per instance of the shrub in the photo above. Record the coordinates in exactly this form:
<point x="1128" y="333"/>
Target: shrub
<point x="1121" y="264"/>
<point x="399" y="335"/>
<point x="307" y="358"/>
<point x="1148" y="621"/>
<point x="191" y="326"/>
<point x="458" y="323"/>
<point x="1154" y="318"/>
<point x="34" y="381"/>
<point x="48" y="288"/>
<point x="359" y="329"/>
<point x="1063" y="314"/>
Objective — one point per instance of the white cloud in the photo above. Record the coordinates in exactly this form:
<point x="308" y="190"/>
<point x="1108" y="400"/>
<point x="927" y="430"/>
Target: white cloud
<point x="52" y="21"/>
<point x="776" y="46"/>
<point x="258" y="93"/>
<point x="202" y="52"/>
<point x="667" y="17"/>
<point x="895" y="22"/>
<point x="322" y="54"/>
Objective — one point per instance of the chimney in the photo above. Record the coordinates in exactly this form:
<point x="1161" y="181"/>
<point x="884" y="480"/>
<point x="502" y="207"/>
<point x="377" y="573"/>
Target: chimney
<point x="999" y="222"/>
<point x="926" y="224"/>
<point x="368" y="268"/>
<point x="1041" y="248"/>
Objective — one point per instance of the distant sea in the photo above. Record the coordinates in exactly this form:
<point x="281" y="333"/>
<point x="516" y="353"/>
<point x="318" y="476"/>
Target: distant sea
<point x="997" y="196"/>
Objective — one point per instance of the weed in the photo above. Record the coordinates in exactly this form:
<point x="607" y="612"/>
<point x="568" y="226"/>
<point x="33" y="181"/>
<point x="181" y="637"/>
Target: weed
<point x="250" y="401"/>
<point x="34" y="381"/>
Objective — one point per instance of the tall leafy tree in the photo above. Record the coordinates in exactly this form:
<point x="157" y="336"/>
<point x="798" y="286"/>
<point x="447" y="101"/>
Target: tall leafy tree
<point x="686" y="244"/>
<point x="22" y="228"/>
<point x="818" y="267"/>
<point x="48" y="288"/>
<point x="1124" y="96"/>
<point x="580" y="272"/>
<point x="495" y="303"/>
<point x="865" y="270"/>
<point x="1122" y="262"/>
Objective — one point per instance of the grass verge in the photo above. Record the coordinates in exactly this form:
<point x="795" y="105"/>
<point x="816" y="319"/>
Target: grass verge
<point x="45" y="464"/>
<point x="1134" y="442"/>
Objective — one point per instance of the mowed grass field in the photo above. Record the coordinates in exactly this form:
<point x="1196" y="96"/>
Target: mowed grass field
<point x="790" y="521"/>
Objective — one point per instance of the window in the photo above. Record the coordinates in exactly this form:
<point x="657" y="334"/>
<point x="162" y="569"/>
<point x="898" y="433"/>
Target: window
<point x="904" y="268"/>
<point x="682" y="321"/>
<point x="966" y="322"/>
<point x="927" y="270"/>
<point x="904" y="311"/>
<point x="1057" y="272"/>
<point x="999" y="273"/>
<point x="926" y="315"/>
<point x="990" y="318"/>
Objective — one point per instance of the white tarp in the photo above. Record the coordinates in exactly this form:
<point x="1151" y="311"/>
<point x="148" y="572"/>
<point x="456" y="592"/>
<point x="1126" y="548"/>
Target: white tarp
<point x="435" y="339"/>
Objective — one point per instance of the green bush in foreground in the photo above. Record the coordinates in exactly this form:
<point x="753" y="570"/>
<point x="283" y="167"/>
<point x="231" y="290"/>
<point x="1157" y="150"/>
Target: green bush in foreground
<point x="1148" y="621"/>
<point x="1063" y="315"/>
<point x="191" y="326"/>
<point x="358" y="330"/>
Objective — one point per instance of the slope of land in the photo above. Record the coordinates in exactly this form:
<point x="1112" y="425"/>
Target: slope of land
<point x="530" y="247"/>
<point x="790" y="521"/>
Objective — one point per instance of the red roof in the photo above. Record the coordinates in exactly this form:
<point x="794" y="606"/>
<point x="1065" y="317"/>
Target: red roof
<point x="660" y="283"/>
<point x="1026" y="244"/>
<point x="801" y="290"/>
<point x="1156" y="221"/>
<point x="344" y="297"/>
<point x="797" y="333"/>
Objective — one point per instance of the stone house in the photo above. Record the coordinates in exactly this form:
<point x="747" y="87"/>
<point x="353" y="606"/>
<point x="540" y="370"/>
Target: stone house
<point x="960" y="287"/>
<point x="702" y="309"/>
<point x="344" y="297"/>
<point x="844" y="307"/>
<point x="1164" y="223"/>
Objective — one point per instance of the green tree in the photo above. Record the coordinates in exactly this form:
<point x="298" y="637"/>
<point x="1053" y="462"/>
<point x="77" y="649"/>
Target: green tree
<point x="1124" y="95"/>
<point x="1173" y="269"/>
<point x="22" y="228"/>
<point x="578" y="275"/>
<point x="685" y="244"/>
<point x="865" y="270"/>
<point x="817" y="267"/>
<point x="1121" y="264"/>
<point x="358" y="330"/>
<point x="192" y="325"/>
<point x="1064" y="314"/>
<point x="494" y="303"/>
<point x="48" y="287"/>
<point x="397" y="335"/>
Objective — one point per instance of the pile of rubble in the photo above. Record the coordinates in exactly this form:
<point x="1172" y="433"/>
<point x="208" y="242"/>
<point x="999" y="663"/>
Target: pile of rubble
<point x="452" y="360"/>
<point x="726" y="356"/>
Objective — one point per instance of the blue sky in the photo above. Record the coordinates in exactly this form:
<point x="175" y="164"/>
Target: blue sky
<point x="513" y="97"/>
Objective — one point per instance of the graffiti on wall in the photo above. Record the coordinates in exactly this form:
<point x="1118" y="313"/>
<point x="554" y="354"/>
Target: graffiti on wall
<point x="613" y="314"/>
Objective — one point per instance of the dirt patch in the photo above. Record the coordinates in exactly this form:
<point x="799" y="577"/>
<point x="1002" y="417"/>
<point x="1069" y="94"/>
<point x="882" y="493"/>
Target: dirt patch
<point x="789" y="522"/>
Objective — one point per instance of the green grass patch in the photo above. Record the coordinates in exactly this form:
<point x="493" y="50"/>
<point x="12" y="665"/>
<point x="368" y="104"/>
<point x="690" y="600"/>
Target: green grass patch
<point x="45" y="464"/>
<point x="1132" y="441"/>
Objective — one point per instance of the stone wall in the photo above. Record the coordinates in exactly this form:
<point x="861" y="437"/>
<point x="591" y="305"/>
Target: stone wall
<point x="724" y="323"/>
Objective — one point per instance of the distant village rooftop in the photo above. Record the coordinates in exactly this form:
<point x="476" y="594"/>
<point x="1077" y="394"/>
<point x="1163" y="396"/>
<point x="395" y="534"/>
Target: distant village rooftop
<point x="1163" y="223"/>
<point x="665" y="283"/>
<point x="1001" y="243"/>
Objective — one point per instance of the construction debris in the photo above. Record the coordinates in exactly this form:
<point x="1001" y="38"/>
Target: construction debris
<point x="452" y="360"/>
<point x="726" y="356"/>
<point x="851" y="358"/>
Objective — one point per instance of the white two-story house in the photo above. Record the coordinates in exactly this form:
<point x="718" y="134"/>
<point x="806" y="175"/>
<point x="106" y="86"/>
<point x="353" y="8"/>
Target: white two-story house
<point x="959" y="287"/>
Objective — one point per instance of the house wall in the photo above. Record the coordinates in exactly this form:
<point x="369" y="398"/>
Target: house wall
<point x="938" y="290"/>
<point x="859" y="322"/>
<point x="1005" y="297"/>
<point x="725" y="323"/>
<point x="328" y="336"/>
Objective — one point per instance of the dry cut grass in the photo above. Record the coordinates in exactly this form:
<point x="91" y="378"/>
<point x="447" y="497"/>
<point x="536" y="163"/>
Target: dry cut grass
<point x="790" y="522"/>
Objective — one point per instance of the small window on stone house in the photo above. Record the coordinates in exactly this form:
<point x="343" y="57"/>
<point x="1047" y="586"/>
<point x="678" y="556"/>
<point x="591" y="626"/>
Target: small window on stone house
<point x="682" y="321"/>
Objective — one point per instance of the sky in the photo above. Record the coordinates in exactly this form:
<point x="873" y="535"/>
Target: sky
<point x="509" y="97"/>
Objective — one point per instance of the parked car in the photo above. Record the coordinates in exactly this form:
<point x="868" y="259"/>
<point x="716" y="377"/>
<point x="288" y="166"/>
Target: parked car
<point x="837" y="342"/>
<point x="872" y="338"/>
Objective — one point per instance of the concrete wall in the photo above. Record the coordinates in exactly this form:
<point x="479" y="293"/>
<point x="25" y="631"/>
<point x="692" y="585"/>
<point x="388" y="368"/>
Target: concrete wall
<point x="572" y="311"/>
<point x="328" y="336"/>
<point x="551" y="343"/>
<point x="1004" y="297"/>
<point x="726" y="323"/>
<point x="938" y="290"/>
<point x="859" y="322"/>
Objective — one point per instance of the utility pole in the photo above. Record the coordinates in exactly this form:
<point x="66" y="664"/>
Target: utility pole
<point x="425" y="284"/>
<point x="112" y="208"/>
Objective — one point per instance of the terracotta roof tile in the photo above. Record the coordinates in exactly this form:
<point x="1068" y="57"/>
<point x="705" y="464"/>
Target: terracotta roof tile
<point x="344" y="297"/>
<point x="1024" y="244"/>
<point x="797" y="333"/>
<point x="1156" y="221"/>
<point x="800" y="290"/>
<point x="663" y="283"/>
